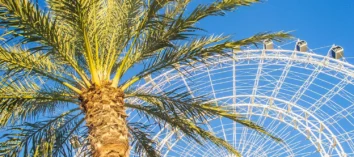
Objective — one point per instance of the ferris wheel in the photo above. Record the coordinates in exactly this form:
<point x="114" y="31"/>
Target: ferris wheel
<point x="302" y="97"/>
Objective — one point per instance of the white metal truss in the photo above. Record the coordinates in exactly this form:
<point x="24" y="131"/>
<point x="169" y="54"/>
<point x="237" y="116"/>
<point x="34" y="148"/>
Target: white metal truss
<point x="305" y="98"/>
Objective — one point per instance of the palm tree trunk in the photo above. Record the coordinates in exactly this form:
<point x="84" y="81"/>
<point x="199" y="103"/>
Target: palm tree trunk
<point x="106" y="120"/>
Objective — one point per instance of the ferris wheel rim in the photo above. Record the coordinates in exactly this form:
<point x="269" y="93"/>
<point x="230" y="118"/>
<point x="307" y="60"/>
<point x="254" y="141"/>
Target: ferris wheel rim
<point x="312" y="54"/>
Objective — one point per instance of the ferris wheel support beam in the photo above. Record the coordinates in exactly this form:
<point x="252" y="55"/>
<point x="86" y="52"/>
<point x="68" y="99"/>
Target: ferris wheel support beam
<point x="347" y="137"/>
<point x="280" y="81"/>
<point x="342" y="113"/>
<point x="286" y="145"/>
<point x="309" y="81"/>
<point x="261" y="121"/>
<point x="223" y="154"/>
<point x="254" y="90"/>
<point x="329" y="95"/>
<point x="234" y="130"/>
<point x="279" y="152"/>
<point x="264" y="140"/>
<point x="242" y="138"/>
<point x="213" y="91"/>
<point x="284" y="74"/>
<point x="258" y="75"/>
<point x="186" y="84"/>
<point x="306" y="84"/>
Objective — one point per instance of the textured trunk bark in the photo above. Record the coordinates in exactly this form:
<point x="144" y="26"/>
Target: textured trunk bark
<point x="106" y="120"/>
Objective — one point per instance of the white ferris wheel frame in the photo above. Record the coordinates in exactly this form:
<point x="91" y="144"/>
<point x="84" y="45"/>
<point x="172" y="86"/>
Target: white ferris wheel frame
<point x="304" y="120"/>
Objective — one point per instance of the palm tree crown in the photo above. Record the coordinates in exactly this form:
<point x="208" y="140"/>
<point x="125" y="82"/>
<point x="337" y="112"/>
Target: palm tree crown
<point x="62" y="65"/>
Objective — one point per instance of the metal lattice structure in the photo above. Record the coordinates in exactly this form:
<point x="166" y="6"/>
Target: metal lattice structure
<point x="302" y="97"/>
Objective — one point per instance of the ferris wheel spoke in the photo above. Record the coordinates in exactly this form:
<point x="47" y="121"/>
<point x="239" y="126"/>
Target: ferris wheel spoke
<point x="340" y="114"/>
<point x="190" y="148"/>
<point x="282" y="135"/>
<point x="303" y="88"/>
<point x="186" y="84"/>
<point x="234" y="92"/>
<point x="258" y="75"/>
<point x="258" y="141"/>
<point x="282" y="78"/>
<point x="272" y="130"/>
<point x="329" y="95"/>
<point x="243" y="137"/>
<point x="251" y="138"/>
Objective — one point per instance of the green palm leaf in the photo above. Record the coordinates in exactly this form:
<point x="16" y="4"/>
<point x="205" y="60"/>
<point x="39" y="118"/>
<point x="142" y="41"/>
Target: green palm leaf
<point x="20" y="101"/>
<point x="144" y="145"/>
<point x="188" y="127"/>
<point x="43" y="138"/>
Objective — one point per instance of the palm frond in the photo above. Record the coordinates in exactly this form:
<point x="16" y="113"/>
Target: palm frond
<point x="178" y="103"/>
<point x="101" y="30"/>
<point x="140" y="137"/>
<point x="120" y="21"/>
<point x="183" y="124"/>
<point x="68" y="12"/>
<point x="67" y="140"/>
<point x="197" y="108"/>
<point x="184" y="53"/>
<point x="255" y="40"/>
<point x="199" y="50"/>
<point x="16" y="61"/>
<point x="218" y="8"/>
<point x="25" y="99"/>
<point x="168" y="28"/>
<point x="42" y="138"/>
<point x="26" y="24"/>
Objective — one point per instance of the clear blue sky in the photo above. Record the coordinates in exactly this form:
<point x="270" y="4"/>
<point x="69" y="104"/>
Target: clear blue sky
<point x="319" y="22"/>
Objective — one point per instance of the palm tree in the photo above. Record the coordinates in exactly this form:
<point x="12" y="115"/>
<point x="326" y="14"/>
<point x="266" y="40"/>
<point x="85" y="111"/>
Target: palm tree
<point x="63" y="68"/>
